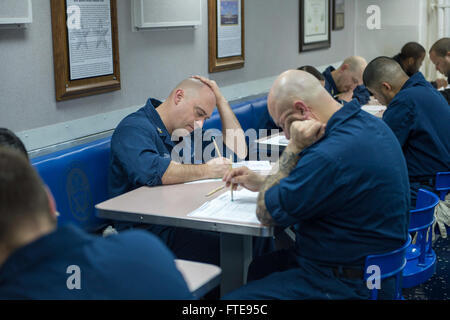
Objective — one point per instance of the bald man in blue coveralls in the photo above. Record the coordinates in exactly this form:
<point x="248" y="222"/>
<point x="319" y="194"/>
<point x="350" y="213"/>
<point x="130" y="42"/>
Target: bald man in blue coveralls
<point x="418" y="115"/>
<point x="345" y="83"/>
<point x="342" y="184"/>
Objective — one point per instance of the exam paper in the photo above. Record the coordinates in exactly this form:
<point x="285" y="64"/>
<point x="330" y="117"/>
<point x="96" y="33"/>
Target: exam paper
<point x="254" y="165"/>
<point x="203" y="181"/>
<point x="242" y="209"/>
<point x="276" y="140"/>
<point x="373" y="109"/>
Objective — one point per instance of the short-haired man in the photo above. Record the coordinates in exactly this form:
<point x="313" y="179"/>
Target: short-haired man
<point x="411" y="57"/>
<point x="40" y="261"/>
<point x="342" y="183"/>
<point x="440" y="56"/>
<point x="9" y="139"/>
<point x="345" y="82"/>
<point x="418" y="115"/>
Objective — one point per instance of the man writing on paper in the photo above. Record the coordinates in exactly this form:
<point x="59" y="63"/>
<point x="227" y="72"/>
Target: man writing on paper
<point x="141" y="149"/>
<point x="345" y="83"/>
<point x="418" y="115"/>
<point x="342" y="184"/>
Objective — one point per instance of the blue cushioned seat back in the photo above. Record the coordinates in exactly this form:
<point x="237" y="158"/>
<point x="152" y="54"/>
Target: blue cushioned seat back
<point x="390" y="264"/>
<point x="259" y="107"/>
<point x="247" y="113"/>
<point x="78" y="180"/>
<point x="442" y="184"/>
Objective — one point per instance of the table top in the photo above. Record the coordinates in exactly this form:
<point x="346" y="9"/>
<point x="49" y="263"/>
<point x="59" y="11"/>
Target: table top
<point x="170" y="205"/>
<point x="200" y="277"/>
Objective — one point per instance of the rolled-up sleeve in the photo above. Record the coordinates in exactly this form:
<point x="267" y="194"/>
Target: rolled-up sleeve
<point x="309" y="191"/>
<point x="137" y="152"/>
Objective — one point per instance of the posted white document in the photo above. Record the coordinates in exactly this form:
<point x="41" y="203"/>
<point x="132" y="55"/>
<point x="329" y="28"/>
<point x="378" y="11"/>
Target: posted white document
<point x="242" y="209"/>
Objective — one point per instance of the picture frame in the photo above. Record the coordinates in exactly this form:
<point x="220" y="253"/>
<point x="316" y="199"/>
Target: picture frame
<point x="315" y="27"/>
<point x="226" y="40"/>
<point x="86" y="57"/>
<point x="338" y="14"/>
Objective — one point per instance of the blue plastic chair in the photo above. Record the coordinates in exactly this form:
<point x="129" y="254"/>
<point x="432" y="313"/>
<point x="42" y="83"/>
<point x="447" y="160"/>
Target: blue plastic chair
<point x="442" y="184"/>
<point x="421" y="258"/>
<point x="390" y="264"/>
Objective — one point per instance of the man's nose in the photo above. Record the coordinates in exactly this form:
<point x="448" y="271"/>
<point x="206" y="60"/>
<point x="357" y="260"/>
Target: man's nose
<point x="199" y="123"/>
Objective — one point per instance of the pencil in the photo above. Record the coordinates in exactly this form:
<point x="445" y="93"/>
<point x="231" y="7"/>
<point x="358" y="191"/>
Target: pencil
<point x="214" y="191"/>
<point x="217" y="147"/>
<point x="231" y="159"/>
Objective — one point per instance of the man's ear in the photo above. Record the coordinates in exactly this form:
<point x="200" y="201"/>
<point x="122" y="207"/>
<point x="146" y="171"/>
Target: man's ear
<point x="178" y="96"/>
<point x="344" y="67"/>
<point x="386" y="86"/>
<point x="51" y="203"/>
<point x="303" y="109"/>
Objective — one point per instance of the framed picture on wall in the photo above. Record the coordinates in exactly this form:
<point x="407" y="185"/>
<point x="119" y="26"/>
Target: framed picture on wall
<point x="338" y="14"/>
<point x="85" y="47"/>
<point x="315" y="27"/>
<point x="225" y="35"/>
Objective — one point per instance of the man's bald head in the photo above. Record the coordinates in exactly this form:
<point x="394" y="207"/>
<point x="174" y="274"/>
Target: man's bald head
<point x="194" y="87"/>
<point x="356" y="64"/>
<point x="189" y="104"/>
<point x="349" y="74"/>
<point x="294" y="85"/>
<point x="297" y="94"/>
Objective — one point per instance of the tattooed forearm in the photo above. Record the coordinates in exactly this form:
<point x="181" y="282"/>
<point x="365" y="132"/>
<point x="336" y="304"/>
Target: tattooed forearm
<point x="287" y="163"/>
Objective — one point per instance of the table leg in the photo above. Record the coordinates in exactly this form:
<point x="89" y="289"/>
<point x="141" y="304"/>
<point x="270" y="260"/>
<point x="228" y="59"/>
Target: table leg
<point x="235" y="256"/>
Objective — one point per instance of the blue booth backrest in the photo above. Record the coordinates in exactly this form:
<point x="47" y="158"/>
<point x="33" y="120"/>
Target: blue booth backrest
<point x="248" y="113"/>
<point x="78" y="180"/>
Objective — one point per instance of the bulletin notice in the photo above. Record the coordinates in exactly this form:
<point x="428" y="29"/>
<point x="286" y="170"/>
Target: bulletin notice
<point x="90" y="43"/>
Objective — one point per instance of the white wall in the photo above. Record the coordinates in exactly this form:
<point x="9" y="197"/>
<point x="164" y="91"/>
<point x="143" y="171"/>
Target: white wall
<point x="402" y="21"/>
<point x="151" y="63"/>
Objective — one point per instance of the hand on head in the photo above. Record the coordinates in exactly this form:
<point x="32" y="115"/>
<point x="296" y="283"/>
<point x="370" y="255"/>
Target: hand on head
<point x="305" y="133"/>
<point x="212" y="85"/>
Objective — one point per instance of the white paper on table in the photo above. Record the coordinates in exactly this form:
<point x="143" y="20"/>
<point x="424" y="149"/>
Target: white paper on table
<point x="279" y="140"/>
<point x="373" y="109"/>
<point x="242" y="209"/>
<point x="203" y="181"/>
<point x="254" y="165"/>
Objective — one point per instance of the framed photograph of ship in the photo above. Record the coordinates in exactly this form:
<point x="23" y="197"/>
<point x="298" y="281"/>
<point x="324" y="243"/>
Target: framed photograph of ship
<point x="225" y="35"/>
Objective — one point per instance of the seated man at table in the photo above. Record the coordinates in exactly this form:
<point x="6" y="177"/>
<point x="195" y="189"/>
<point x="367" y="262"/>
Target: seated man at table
<point x="345" y="82"/>
<point x="418" y="115"/>
<point x="341" y="183"/>
<point x="440" y="56"/>
<point x="142" y="148"/>
<point x="40" y="261"/>
<point x="266" y="122"/>
<point x="410" y="57"/>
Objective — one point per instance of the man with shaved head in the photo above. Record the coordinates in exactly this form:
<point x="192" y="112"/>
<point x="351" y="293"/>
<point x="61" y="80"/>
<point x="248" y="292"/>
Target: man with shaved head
<point x="345" y="82"/>
<point x="418" y="115"/>
<point x="440" y="56"/>
<point x="141" y="155"/>
<point x="341" y="183"/>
